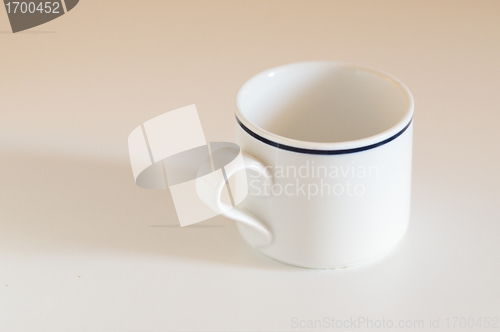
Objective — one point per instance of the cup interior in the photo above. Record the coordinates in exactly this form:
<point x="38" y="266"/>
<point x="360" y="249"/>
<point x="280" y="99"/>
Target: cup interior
<point x="324" y="102"/>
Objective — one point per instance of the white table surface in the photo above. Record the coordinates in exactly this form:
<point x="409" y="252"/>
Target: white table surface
<point x="82" y="248"/>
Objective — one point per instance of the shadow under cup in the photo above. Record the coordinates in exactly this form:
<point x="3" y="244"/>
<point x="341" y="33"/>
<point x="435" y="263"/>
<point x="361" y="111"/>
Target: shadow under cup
<point x="345" y="120"/>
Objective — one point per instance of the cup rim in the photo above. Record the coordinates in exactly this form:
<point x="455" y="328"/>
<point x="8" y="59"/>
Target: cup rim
<point x="351" y="146"/>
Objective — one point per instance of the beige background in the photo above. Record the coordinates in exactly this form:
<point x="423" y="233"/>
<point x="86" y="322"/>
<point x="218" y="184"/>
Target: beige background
<point x="83" y="248"/>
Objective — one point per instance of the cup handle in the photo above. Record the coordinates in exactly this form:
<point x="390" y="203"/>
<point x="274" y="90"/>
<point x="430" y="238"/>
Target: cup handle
<point x="210" y="189"/>
<point x="259" y="235"/>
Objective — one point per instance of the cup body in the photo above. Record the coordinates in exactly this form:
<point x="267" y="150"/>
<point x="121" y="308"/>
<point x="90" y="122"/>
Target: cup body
<point x="338" y="198"/>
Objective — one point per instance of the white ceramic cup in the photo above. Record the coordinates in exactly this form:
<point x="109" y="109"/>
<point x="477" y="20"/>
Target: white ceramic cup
<point x="330" y="146"/>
